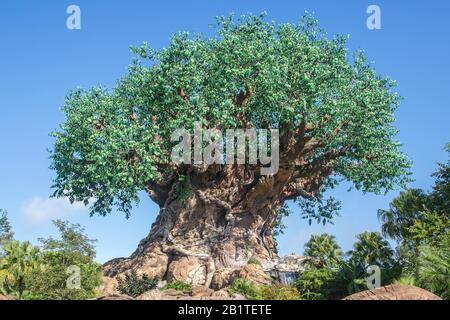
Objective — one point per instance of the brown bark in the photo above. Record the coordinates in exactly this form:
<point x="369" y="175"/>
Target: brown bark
<point x="228" y="216"/>
<point x="225" y="218"/>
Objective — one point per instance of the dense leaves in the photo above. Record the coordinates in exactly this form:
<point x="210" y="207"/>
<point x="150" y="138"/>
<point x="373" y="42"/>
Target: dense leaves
<point x="292" y="77"/>
<point x="323" y="249"/>
<point x="133" y="285"/>
<point x="6" y="234"/>
<point x="43" y="273"/>
<point x="73" y="251"/>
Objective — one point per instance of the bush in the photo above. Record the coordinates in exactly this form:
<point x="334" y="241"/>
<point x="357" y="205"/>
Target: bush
<point x="245" y="288"/>
<point x="279" y="292"/>
<point x="179" y="286"/>
<point x="253" y="260"/>
<point x="313" y="283"/>
<point x="133" y="285"/>
<point x="59" y="256"/>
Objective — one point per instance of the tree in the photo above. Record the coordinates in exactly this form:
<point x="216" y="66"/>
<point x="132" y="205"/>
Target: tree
<point x="372" y="249"/>
<point x="433" y="269"/>
<point x="403" y="212"/>
<point x="333" y="114"/>
<point x="6" y="234"/>
<point x="418" y="218"/>
<point x="20" y="259"/>
<point x="323" y="249"/>
<point x="71" y="256"/>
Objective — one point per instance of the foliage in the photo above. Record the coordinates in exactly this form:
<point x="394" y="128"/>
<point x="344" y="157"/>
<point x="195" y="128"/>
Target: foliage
<point x="418" y="218"/>
<point x="179" y="286"/>
<point x="183" y="189"/>
<point x="246" y="288"/>
<point x="278" y="292"/>
<point x="6" y="234"/>
<point x="372" y="249"/>
<point x="313" y="283"/>
<point x="319" y="210"/>
<point x="430" y="229"/>
<point x="73" y="249"/>
<point x="254" y="260"/>
<point x="134" y="285"/>
<point x="279" y="228"/>
<point x="330" y="283"/>
<point x="432" y="269"/>
<point x="420" y="223"/>
<point x="403" y="211"/>
<point x="257" y="74"/>
<point x="19" y="260"/>
<point x="323" y="249"/>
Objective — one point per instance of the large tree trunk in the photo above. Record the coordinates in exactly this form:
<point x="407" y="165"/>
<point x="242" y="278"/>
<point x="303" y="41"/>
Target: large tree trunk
<point x="224" y="218"/>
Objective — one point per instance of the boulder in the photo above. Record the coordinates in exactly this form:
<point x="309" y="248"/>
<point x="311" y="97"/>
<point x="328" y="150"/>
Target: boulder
<point x="394" y="292"/>
<point x="169" y="294"/>
<point x="109" y="286"/>
<point x="222" y="278"/>
<point x="253" y="273"/>
<point x="201" y="291"/>
<point x="187" y="269"/>
<point x="116" y="297"/>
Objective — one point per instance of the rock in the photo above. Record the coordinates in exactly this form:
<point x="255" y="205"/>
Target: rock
<point x="253" y="273"/>
<point x="222" y="293"/>
<point x="109" y="287"/>
<point x="285" y="269"/>
<point x="187" y="269"/>
<point x="201" y="291"/>
<point x="222" y="278"/>
<point x="169" y="294"/>
<point x="394" y="292"/>
<point x="4" y="298"/>
<point x="116" y="297"/>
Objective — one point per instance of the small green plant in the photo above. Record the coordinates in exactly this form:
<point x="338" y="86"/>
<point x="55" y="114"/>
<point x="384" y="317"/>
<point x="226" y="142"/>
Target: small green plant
<point x="253" y="260"/>
<point x="183" y="189"/>
<point x="179" y="286"/>
<point x="246" y="288"/>
<point x="133" y="285"/>
<point x="279" y="292"/>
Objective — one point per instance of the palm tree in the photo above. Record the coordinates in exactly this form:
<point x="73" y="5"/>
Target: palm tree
<point x="323" y="249"/>
<point x="371" y="249"/>
<point x="402" y="212"/>
<point x="433" y="272"/>
<point x="19" y="260"/>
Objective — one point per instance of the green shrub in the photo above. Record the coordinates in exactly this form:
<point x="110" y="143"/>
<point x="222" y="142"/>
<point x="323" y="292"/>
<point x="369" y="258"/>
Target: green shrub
<point x="313" y="283"/>
<point x="134" y="286"/>
<point x="179" y="286"/>
<point x="253" y="260"/>
<point x="245" y="288"/>
<point x="279" y="292"/>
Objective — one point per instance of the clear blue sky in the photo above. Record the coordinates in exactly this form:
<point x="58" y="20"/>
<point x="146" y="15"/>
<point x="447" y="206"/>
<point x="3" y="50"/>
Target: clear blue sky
<point x="40" y="60"/>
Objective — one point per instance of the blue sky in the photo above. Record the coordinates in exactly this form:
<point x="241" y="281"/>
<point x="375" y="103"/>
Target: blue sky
<point x="40" y="60"/>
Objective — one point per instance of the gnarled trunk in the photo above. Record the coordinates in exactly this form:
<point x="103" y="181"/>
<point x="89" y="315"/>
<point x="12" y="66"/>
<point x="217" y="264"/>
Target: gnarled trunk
<point x="219" y="220"/>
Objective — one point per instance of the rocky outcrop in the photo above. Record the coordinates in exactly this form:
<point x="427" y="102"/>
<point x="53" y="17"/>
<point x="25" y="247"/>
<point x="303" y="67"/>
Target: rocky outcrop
<point x="115" y="297"/>
<point x="198" y="293"/>
<point x="251" y="272"/>
<point x="285" y="269"/>
<point x="394" y="292"/>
